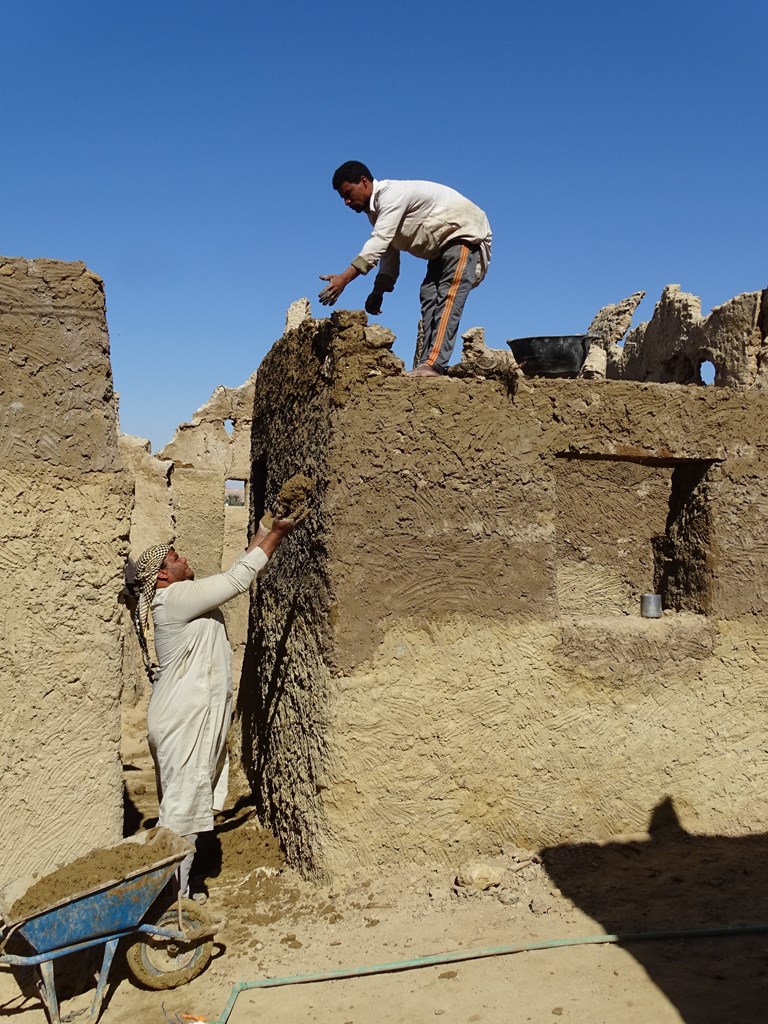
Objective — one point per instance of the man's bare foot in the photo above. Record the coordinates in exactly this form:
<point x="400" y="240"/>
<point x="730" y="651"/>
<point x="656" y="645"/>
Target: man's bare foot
<point x="422" y="370"/>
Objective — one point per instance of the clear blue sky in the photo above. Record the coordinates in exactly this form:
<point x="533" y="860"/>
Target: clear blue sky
<point x="184" y="150"/>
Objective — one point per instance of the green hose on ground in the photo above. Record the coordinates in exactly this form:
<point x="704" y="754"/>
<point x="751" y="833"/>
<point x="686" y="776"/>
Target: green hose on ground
<point x="478" y="954"/>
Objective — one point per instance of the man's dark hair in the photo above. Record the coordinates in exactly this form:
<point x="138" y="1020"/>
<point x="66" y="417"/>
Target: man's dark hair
<point x="351" y="171"/>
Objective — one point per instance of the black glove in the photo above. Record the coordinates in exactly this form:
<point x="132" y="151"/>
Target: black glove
<point x="383" y="283"/>
<point x="373" y="302"/>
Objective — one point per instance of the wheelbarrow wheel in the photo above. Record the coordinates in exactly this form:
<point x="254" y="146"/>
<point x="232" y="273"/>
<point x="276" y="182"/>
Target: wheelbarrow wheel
<point x="157" y="962"/>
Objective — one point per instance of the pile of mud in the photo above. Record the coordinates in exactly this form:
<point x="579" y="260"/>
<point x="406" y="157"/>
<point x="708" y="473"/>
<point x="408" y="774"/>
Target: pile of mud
<point x="292" y="500"/>
<point x="91" y="872"/>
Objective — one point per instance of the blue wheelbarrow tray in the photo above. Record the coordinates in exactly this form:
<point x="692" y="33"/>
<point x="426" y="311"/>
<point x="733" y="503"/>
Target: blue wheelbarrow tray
<point x="109" y="909"/>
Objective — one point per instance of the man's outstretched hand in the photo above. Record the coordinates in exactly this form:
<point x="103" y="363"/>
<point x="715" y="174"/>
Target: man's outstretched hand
<point x="269" y="537"/>
<point x="278" y="531"/>
<point x="336" y="285"/>
<point x="334" y="288"/>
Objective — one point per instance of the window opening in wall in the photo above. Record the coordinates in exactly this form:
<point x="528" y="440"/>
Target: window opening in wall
<point x="234" y="492"/>
<point x="629" y="526"/>
<point x="707" y="372"/>
<point x="229" y="426"/>
<point x="608" y="512"/>
<point x="682" y="555"/>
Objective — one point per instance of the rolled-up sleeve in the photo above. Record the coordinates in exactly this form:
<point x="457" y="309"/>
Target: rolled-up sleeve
<point x="392" y="201"/>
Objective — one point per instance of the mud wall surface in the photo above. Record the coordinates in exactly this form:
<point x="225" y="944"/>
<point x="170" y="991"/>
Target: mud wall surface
<point x="284" y="695"/>
<point x="64" y="508"/>
<point x="468" y="666"/>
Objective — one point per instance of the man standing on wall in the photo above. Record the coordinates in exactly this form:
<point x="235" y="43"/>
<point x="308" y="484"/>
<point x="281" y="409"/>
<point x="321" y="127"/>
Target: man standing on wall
<point x="190" y="707"/>
<point x="427" y="220"/>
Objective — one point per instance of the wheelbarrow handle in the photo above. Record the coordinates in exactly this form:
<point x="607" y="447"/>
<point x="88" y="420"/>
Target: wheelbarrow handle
<point x="191" y="935"/>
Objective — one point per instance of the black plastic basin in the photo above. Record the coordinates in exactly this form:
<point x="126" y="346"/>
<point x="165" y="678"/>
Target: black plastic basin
<point x="562" y="355"/>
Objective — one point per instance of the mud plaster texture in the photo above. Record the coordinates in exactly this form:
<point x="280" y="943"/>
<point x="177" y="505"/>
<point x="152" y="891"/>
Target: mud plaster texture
<point x="280" y="924"/>
<point x="64" y="508"/>
<point x="448" y="655"/>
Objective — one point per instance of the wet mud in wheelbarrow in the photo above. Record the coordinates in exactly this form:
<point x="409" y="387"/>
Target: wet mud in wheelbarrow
<point x="100" y="899"/>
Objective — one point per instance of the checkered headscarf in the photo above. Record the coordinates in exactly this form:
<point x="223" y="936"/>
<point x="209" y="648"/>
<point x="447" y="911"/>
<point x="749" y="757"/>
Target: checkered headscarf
<point x="147" y="566"/>
<point x="145" y="570"/>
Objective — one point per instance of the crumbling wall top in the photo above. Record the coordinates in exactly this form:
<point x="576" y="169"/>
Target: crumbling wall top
<point x="218" y="438"/>
<point x="54" y="332"/>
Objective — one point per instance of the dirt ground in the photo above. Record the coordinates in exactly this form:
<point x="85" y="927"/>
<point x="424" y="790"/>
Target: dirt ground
<point x="279" y="926"/>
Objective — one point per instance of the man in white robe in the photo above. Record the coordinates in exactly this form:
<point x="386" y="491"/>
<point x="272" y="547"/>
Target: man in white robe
<point x="190" y="707"/>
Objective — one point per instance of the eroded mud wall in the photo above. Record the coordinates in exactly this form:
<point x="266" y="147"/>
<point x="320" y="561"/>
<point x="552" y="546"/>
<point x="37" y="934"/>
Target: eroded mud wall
<point x="64" y="507"/>
<point x="479" y="671"/>
<point x="203" y="455"/>
<point x="678" y="339"/>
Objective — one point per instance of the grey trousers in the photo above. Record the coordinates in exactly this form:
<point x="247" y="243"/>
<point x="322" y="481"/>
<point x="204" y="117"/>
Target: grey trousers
<point x="450" y="278"/>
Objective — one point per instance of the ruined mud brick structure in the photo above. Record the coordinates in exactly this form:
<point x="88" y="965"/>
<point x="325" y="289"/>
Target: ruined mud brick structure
<point x="64" y="507"/>
<point x="449" y="655"/>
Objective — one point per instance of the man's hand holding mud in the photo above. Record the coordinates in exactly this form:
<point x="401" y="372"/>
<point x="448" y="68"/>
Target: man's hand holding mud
<point x="268" y="538"/>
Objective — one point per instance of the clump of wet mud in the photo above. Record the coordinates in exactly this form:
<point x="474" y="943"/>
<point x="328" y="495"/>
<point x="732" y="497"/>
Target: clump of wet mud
<point x="292" y="500"/>
<point x="294" y="494"/>
<point x="90" y="872"/>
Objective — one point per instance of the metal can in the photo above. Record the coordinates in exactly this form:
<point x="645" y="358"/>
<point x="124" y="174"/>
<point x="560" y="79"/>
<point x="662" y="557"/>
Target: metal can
<point x="650" y="606"/>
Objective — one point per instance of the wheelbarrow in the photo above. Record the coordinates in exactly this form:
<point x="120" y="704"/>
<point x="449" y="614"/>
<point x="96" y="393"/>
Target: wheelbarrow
<point x="171" y="949"/>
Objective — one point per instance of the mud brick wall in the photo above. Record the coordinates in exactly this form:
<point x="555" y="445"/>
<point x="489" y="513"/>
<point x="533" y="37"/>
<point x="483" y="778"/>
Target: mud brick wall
<point x="285" y="689"/>
<point x="64" y="508"/>
<point x="449" y="655"/>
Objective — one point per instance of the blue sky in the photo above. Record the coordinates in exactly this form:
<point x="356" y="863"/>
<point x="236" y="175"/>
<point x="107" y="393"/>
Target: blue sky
<point x="184" y="150"/>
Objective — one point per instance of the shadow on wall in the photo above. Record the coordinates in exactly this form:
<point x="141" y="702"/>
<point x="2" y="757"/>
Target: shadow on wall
<point x="258" y="706"/>
<point x="679" y="881"/>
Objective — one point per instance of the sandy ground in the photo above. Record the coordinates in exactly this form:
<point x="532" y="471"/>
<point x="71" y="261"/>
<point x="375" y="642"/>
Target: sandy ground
<point x="282" y="926"/>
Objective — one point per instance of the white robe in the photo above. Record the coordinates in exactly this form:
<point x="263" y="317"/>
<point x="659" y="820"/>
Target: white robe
<point x="191" y="703"/>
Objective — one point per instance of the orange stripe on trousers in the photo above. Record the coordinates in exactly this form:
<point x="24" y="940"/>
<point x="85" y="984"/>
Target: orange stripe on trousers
<point x="451" y="298"/>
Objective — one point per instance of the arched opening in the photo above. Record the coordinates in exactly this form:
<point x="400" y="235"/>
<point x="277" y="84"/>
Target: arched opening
<point x="229" y="426"/>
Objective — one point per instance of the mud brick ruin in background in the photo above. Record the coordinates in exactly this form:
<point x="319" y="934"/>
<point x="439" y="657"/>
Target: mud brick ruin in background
<point x="448" y="655"/>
